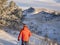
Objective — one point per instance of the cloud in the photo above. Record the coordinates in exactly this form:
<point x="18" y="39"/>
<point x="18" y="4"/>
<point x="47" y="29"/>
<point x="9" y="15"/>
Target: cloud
<point x="58" y="1"/>
<point x="22" y="1"/>
<point x="49" y="1"/>
<point x="52" y="4"/>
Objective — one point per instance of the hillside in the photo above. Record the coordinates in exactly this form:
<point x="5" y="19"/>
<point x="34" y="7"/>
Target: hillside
<point x="44" y="24"/>
<point x="9" y="37"/>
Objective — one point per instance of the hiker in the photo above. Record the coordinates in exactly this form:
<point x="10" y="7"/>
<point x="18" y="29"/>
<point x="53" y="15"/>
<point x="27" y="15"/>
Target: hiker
<point x="24" y="35"/>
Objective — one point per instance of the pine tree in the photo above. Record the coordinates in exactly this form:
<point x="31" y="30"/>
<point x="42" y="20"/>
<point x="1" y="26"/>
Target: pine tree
<point x="12" y="4"/>
<point x="2" y="5"/>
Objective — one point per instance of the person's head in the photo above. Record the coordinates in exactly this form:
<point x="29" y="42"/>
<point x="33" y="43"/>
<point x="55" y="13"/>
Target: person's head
<point x="24" y="25"/>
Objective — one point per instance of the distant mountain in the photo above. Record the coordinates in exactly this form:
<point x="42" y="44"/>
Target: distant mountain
<point x="44" y="23"/>
<point x="28" y="11"/>
<point x="32" y="10"/>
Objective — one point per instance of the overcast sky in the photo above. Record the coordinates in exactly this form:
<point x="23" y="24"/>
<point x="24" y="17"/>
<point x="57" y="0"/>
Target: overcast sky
<point x="51" y="4"/>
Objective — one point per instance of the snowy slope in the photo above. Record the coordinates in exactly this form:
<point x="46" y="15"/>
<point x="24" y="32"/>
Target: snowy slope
<point x="8" y="38"/>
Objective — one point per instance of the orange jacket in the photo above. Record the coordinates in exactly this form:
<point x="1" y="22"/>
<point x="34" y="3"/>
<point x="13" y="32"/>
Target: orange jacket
<point x="24" y="34"/>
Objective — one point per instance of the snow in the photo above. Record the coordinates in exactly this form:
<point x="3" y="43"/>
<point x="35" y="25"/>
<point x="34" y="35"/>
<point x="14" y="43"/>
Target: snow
<point x="8" y="38"/>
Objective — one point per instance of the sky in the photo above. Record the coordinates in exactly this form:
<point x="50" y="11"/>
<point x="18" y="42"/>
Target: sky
<point x="50" y="4"/>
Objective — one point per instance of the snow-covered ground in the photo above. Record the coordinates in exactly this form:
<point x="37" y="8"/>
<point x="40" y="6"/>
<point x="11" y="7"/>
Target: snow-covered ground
<point x="8" y="38"/>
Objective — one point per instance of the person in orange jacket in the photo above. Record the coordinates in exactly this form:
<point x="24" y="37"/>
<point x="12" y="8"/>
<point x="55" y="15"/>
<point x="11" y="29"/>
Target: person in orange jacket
<point x="25" y="34"/>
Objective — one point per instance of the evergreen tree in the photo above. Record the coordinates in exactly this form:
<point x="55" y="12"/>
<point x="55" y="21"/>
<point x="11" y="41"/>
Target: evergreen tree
<point x="2" y="5"/>
<point x="12" y="4"/>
